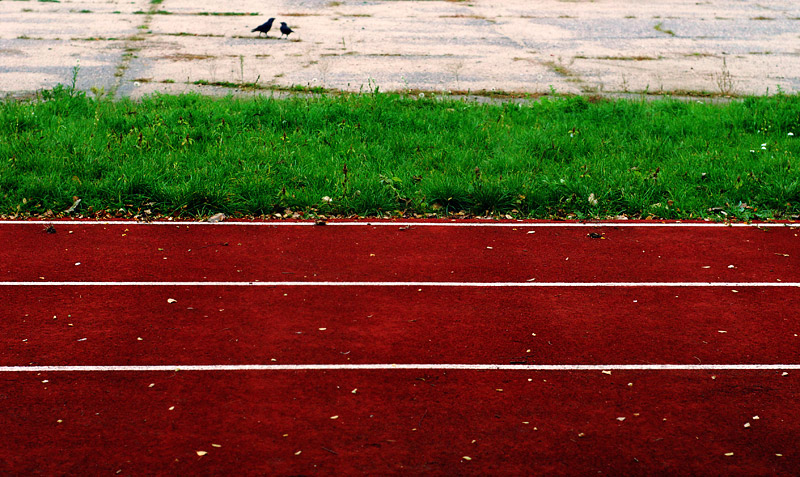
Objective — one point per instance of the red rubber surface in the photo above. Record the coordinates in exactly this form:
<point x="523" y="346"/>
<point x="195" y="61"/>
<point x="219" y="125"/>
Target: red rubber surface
<point x="254" y="325"/>
<point x="116" y="421"/>
<point x="398" y="421"/>
<point x="386" y="253"/>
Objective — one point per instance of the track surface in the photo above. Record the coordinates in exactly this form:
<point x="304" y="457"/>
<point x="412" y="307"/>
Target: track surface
<point x="672" y="295"/>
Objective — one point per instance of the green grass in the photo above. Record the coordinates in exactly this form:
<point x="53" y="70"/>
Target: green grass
<point x="660" y="27"/>
<point x="384" y="154"/>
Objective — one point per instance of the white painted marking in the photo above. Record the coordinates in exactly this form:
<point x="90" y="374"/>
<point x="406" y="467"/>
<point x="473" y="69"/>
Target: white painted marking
<point x="414" y="224"/>
<point x="405" y="284"/>
<point x="388" y="367"/>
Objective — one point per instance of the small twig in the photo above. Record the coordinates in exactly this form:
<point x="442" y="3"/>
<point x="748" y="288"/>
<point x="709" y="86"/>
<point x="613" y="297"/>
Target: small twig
<point x="419" y="424"/>
<point x="224" y="244"/>
<point x="330" y="450"/>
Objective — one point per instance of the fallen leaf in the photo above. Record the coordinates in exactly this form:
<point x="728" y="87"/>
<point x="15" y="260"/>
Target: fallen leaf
<point x="172" y="300"/>
<point x="466" y="457"/>
<point x="74" y="206"/>
<point x="201" y="453"/>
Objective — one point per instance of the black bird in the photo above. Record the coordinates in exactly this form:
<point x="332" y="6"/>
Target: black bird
<point x="264" y="28"/>
<point x="285" y="30"/>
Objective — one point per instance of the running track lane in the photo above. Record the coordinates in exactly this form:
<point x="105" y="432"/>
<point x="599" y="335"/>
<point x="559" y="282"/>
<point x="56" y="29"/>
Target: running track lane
<point x="49" y="326"/>
<point x="400" y="422"/>
<point x="126" y="252"/>
<point x="704" y="410"/>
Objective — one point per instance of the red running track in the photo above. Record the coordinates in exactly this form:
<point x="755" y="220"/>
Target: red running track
<point x="397" y="253"/>
<point x="363" y="325"/>
<point x="418" y="423"/>
<point x="427" y="421"/>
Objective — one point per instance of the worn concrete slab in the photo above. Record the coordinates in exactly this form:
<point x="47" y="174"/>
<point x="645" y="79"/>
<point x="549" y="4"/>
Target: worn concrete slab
<point x="136" y="47"/>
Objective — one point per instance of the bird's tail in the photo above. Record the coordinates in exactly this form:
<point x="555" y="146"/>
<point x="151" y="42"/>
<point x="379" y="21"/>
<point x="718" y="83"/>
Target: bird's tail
<point x="254" y="29"/>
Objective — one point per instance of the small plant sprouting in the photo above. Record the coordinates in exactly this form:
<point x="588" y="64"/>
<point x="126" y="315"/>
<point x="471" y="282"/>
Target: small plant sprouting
<point x="660" y="27"/>
<point x="393" y="184"/>
<point x="324" y="66"/>
<point x="724" y="80"/>
<point x="75" y="70"/>
<point x="455" y="68"/>
<point x="99" y="93"/>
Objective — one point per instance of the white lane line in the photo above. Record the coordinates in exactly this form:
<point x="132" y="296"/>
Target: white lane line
<point x="406" y="284"/>
<point x="387" y="367"/>
<point x="415" y="224"/>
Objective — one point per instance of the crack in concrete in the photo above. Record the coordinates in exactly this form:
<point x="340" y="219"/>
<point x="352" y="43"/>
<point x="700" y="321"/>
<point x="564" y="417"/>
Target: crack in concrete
<point x="132" y="45"/>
